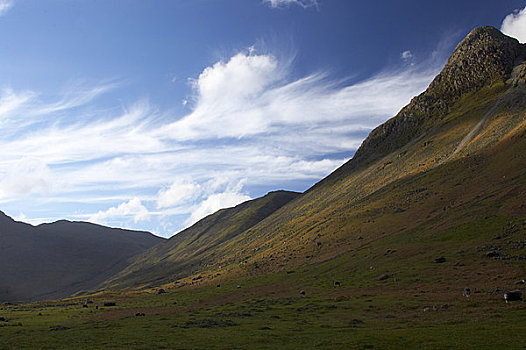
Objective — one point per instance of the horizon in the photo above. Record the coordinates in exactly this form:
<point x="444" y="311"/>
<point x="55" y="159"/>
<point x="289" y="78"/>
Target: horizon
<point x="106" y="121"/>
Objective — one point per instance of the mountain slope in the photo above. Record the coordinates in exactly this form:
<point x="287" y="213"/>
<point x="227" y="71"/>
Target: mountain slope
<point x="484" y="57"/>
<point x="59" y="259"/>
<point x="448" y="160"/>
<point x="193" y="249"/>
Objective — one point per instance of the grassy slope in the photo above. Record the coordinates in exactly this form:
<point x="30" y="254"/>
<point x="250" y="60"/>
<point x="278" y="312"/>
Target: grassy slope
<point x="328" y="220"/>
<point x="193" y="249"/>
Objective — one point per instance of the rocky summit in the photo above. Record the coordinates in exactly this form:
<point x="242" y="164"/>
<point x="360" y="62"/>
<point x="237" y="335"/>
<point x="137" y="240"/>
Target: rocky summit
<point x="484" y="57"/>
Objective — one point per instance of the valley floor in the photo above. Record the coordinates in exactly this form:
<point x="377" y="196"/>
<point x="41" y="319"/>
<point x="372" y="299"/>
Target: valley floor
<point x="269" y="312"/>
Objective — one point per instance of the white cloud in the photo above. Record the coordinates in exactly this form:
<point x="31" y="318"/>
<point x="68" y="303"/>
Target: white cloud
<point x="215" y="202"/>
<point x="133" y="208"/>
<point x="10" y="101"/>
<point x="251" y="125"/>
<point x="180" y="191"/>
<point x="281" y="3"/>
<point x="5" y="5"/>
<point x="407" y="56"/>
<point x="27" y="176"/>
<point x="514" y="25"/>
<point x="75" y="96"/>
<point x="249" y="95"/>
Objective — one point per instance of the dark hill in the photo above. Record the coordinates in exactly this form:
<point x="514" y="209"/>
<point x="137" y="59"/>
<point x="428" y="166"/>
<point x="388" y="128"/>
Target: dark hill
<point x="55" y="260"/>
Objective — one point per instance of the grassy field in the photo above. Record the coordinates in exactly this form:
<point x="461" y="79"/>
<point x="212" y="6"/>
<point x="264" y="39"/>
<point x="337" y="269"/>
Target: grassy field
<point x="269" y="312"/>
<point x="419" y="304"/>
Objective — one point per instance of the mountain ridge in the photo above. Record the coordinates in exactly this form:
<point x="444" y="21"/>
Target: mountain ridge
<point x="484" y="56"/>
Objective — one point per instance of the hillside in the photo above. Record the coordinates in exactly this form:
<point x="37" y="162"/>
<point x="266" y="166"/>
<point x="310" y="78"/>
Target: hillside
<point x="193" y="249"/>
<point x="438" y="165"/>
<point x="375" y="256"/>
<point x="55" y="260"/>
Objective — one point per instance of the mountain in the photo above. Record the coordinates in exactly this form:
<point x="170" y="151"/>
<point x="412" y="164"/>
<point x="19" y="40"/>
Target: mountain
<point x="193" y="249"/>
<point x="446" y="174"/>
<point x="56" y="260"/>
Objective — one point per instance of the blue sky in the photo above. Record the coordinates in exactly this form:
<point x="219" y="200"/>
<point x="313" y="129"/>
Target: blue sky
<point x="152" y="114"/>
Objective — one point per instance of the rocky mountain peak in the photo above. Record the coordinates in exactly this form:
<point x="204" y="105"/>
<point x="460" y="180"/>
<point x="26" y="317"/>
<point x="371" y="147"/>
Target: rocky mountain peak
<point x="484" y="57"/>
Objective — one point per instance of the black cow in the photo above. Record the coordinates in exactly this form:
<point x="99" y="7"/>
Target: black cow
<point x="514" y="295"/>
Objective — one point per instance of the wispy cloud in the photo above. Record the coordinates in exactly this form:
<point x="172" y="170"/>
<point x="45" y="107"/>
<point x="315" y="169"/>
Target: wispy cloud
<point x="284" y="3"/>
<point x="5" y="5"/>
<point x="77" y="95"/>
<point x="514" y="25"/>
<point x="251" y="124"/>
<point x="250" y="96"/>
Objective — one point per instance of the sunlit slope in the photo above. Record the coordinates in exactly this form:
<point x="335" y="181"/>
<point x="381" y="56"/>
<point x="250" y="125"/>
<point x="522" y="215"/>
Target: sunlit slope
<point x="195" y="248"/>
<point x="453" y="158"/>
<point x="55" y="260"/>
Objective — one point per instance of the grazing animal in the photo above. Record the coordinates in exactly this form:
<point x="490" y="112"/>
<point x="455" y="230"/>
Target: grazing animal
<point x="337" y="284"/>
<point x="84" y="305"/>
<point x="302" y="292"/>
<point x="109" y="303"/>
<point x="140" y="314"/>
<point x="466" y="292"/>
<point x="514" y="295"/>
<point x="238" y="286"/>
<point x="161" y="291"/>
<point x="383" y="277"/>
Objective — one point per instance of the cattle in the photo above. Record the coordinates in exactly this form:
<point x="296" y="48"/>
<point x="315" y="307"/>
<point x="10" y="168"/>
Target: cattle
<point x="84" y="305"/>
<point x="466" y="292"/>
<point x="161" y="291"/>
<point x="302" y="292"/>
<point x="514" y="295"/>
<point x="383" y="277"/>
<point x="337" y="284"/>
<point x="140" y="314"/>
<point x="3" y="319"/>
<point x="109" y="303"/>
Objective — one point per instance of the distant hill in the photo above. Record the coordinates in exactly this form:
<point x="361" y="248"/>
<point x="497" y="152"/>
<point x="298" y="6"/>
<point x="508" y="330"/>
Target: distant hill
<point x="193" y="249"/>
<point x="55" y="260"/>
<point x="445" y="175"/>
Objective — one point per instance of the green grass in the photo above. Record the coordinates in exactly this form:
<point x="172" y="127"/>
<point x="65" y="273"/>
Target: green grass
<point x="356" y="320"/>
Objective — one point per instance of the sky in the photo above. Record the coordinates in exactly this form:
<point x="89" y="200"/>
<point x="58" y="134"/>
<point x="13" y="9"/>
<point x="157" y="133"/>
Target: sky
<point x="150" y="115"/>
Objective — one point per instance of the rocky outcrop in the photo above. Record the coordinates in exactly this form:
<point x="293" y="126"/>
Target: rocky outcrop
<point x="484" y="57"/>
